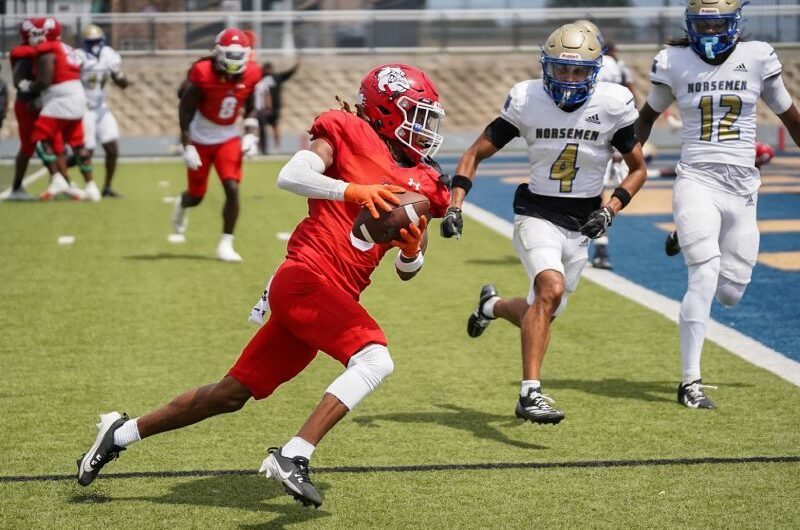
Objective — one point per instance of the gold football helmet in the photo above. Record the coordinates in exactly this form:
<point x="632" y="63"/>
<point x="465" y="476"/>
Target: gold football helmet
<point x="571" y="59"/>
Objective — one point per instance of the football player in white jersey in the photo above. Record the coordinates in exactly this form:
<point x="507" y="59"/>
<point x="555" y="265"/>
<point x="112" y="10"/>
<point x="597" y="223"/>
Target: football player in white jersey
<point x="99" y="64"/>
<point x="571" y="124"/>
<point x="716" y="79"/>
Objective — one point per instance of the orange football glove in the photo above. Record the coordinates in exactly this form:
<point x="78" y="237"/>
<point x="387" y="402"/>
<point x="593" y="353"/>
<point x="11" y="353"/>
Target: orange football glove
<point x="411" y="239"/>
<point x="369" y="195"/>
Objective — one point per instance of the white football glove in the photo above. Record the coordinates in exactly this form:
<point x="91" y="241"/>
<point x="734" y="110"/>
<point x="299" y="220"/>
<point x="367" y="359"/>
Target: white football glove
<point x="24" y="86"/>
<point x="191" y="157"/>
<point x="249" y="145"/>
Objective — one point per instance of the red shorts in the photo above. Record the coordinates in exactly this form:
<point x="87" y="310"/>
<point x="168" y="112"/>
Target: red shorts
<point x="26" y="119"/>
<point x="226" y="159"/>
<point x="49" y="128"/>
<point x="307" y="315"/>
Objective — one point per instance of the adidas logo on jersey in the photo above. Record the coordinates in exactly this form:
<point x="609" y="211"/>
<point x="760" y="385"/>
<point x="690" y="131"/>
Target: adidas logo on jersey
<point x="594" y="118"/>
<point x="750" y="201"/>
<point x="740" y="68"/>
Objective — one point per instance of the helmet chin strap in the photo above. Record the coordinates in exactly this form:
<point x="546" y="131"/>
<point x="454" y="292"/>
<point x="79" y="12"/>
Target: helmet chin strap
<point x="708" y="43"/>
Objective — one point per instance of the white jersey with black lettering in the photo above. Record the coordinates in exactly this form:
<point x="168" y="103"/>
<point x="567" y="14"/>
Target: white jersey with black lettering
<point x="568" y="151"/>
<point x="717" y="103"/>
<point x="95" y="73"/>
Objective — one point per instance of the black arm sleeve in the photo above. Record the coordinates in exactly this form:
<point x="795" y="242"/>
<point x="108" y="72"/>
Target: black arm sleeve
<point x="625" y="139"/>
<point x="500" y="132"/>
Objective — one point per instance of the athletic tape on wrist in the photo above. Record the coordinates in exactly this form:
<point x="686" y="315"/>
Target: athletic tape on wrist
<point x="623" y="196"/>
<point x="460" y="181"/>
<point x="409" y="266"/>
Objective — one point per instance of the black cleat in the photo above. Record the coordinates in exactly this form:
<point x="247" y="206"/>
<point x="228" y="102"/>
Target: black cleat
<point x="108" y="192"/>
<point x="293" y="474"/>
<point x="692" y="395"/>
<point x="672" y="246"/>
<point x="535" y="407"/>
<point x="602" y="262"/>
<point x="103" y="450"/>
<point x="478" y="322"/>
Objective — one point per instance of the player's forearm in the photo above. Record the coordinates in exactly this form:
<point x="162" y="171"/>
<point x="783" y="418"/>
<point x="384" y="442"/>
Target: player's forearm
<point x="303" y="176"/>
<point x="791" y="119"/>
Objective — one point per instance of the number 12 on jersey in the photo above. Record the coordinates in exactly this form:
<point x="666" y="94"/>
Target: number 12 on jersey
<point x="726" y="131"/>
<point x="565" y="167"/>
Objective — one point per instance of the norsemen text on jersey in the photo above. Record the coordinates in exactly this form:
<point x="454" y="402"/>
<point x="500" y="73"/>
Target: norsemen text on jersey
<point x="705" y="86"/>
<point x="577" y="134"/>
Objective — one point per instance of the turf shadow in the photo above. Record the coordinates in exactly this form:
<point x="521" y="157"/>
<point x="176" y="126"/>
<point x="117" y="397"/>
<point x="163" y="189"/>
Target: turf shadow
<point x="244" y="492"/>
<point x="651" y="391"/>
<point x="476" y="422"/>
<point x="168" y="255"/>
<point x="502" y="260"/>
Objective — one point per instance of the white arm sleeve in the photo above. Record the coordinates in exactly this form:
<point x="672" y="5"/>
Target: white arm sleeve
<point x="775" y="95"/>
<point x="302" y="175"/>
<point x="660" y="97"/>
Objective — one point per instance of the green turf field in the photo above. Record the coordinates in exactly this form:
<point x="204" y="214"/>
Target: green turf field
<point x="123" y="320"/>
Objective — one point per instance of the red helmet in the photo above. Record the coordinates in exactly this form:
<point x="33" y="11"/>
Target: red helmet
<point x="402" y="103"/>
<point x="764" y="154"/>
<point x="52" y="28"/>
<point x="232" y="50"/>
<point x="32" y="31"/>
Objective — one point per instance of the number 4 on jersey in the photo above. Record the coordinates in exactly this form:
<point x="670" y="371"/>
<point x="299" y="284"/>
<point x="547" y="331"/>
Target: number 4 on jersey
<point x="565" y="168"/>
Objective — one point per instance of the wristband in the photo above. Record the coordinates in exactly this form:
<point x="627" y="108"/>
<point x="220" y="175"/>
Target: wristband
<point x="250" y="123"/>
<point x="409" y="266"/>
<point x="460" y="181"/>
<point x="622" y="195"/>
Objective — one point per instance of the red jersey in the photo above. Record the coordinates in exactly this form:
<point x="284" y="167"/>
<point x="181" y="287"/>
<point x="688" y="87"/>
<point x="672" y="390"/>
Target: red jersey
<point x="322" y="240"/>
<point x="222" y="98"/>
<point x="67" y="64"/>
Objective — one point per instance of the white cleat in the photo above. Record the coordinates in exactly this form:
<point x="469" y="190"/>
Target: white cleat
<point x="75" y="193"/>
<point x="58" y="185"/>
<point x="225" y="252"/>
<point x="20" y="195"/>
<point x="179" y="218"/>
<point x="92" y="192"/>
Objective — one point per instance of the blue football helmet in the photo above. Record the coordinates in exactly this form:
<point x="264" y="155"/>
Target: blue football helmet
<point x="571" y="59"/>
<point x="713" y="26"/>
<point x="93" y="39"/>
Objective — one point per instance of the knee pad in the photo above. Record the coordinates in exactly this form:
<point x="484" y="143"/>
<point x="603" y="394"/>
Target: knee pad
<point x="364" y="373"/>
<point x="41" y="151"/>
<point x="729" y="292"/>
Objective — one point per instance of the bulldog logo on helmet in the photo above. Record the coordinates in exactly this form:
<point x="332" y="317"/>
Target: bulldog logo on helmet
<point x="391" y="79"/>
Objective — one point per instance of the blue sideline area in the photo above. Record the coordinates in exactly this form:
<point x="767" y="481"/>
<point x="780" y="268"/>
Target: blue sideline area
<point x="769" y="311"/>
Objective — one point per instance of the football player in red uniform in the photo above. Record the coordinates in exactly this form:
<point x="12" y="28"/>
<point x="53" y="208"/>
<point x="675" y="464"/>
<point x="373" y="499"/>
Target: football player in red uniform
<point x="210" y="99"/>
<point x="355" y="160"/>
<point x="57" y="78"/>
<point x="27" y="104"/>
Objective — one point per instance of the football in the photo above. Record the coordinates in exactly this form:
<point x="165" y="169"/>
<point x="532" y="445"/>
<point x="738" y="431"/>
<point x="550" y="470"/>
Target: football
<point x="387" y="227"/>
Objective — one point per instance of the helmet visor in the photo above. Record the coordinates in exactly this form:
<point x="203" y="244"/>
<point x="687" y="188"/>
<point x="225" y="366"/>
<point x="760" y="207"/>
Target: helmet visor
<point x="569" y="72"/>
<point x="710" y="25"/>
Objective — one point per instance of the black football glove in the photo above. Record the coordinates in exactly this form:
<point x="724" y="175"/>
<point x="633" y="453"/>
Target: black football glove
<point x="452" y="224"/>
<point x="598" y="223"/>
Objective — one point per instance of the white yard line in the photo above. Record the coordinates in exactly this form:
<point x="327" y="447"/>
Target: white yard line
<point x="737" y="343"/>
<point x="33" y="177"/>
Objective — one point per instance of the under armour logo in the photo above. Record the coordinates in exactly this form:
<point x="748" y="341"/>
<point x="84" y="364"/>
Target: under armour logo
<point x="594" y="118"/>
<point x="413" y="184"/>
<point x="740" y="68"/>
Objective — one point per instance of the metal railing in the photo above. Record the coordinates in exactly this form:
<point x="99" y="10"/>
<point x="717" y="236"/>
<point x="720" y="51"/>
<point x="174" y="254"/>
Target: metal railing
<point x="365" y="31"/>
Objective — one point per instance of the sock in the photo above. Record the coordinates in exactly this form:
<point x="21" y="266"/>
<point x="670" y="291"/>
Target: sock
<point x="127" y="434"/>
<point x="530" y="384"/>
<point x="694" y="315"/>
<point x="488" y="307"/>
<point x="297" y="447"/>
<point x="226" y="238"/>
